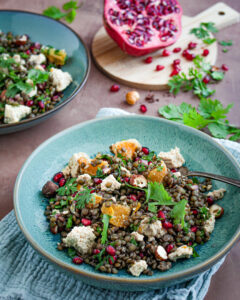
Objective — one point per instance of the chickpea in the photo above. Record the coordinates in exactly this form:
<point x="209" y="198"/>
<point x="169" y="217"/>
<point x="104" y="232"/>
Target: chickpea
<point x="132" y="97"/>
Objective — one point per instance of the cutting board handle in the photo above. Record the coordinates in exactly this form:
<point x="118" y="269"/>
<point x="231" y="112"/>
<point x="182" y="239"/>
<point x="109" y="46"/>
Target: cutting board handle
<point x="220" y="14"/>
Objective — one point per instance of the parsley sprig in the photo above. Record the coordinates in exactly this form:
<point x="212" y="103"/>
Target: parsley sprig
<point x="82" y="198"/>
<point x="69" y="188"/>
<point x="202" y="32"/>
<point x="105" y="220"/>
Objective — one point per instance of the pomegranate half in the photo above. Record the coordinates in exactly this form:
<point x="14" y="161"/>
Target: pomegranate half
<point x="140" y="27"/>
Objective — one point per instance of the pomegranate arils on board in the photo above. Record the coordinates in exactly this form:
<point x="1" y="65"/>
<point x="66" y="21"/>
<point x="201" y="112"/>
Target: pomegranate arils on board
<point x="141" y="27"/>
<point x="225" y="67"/>
<point x="205" y="52"/>
<point x="176" y="62"/>
<point x="177" y="50"/>
<point x="114" y="88"/>
<point x="159" y="67"/>
<point x="192" y="45"/>
<point x="143" y="108"/>
<point x="166" y="53"/>
<point x="148" y="60"/>
<point x="189" y="56"/>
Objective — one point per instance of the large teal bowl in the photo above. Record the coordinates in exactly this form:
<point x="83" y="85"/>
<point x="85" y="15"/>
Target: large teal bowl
<point x="201" y="152"/>
<point x="49" y="32"/>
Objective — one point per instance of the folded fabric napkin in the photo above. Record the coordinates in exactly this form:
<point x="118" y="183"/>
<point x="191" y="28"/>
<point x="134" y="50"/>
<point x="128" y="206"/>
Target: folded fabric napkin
<point x="25" y="275"/>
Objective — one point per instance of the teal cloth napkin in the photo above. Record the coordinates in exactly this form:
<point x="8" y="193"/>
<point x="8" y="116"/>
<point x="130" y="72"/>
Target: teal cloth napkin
<point x="25" y="275"/>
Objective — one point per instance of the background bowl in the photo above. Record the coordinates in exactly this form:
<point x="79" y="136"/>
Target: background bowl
<point x="201" y="152"/>
<point x="49" y="32"/>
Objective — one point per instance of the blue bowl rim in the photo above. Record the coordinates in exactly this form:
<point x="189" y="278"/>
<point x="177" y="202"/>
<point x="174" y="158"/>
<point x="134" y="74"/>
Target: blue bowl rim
<point x="98" y="276"/>
<point x="62" y="104"/>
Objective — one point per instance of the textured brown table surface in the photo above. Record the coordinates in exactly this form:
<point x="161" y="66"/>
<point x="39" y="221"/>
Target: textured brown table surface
<point x="15" y="148"/>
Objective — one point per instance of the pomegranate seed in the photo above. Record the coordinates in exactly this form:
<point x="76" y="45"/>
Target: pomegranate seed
<point x="195" y="212"/>
<point x="57" y="176"/>
<point x="161" y="215"/>
<point x="44" y="66"/>
<point x="133" y="197"/>
<point x="169" y="248"/>
<point x="205" y="52"/>
<point x="206" y="79"/>
<point x="210" y="200"/>
<point x="74" y="194"/>
<point x="177" y="50"/>
<point x="149" y="60"/>
<point x="173" y="170"/>
<point x="167" y="224"/>
<point x="110" y="250"/>
<point x="28" y="52"/>
<point x="77" y="260"/>
<point x="115" y="88"/>
<point x="126" y="179"/>
<point x="192" y="45"/>
<point x="189" y="243"/>
<point x="225" y="67"/>
<point x="176" y="62"/>
<point x="190" y="56"/>
<point x="145" y="150"/>
<point x="62" y="182"/>
<point x="54" y="98"/>
<point x="194" y="228"/>
<point x="29" y="103"/>
<point x="37" y="45"/>
<point x="143" y="108"/>
<point x="41" y="104"/>
<point x="141" y="254"/>
<point x="112" y="260"/>
<point x="96" y="251"/>
<point x="97" y="180"/>
<point x="174" y="72"/>
<point x="86" y="222"/>
<point x="166" y="53"/>
<point x="159" y="67"/>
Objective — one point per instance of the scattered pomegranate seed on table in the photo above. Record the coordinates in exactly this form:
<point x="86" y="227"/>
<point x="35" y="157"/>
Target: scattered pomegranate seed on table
<point x="225" y="67"/>
<point x="148" y="60"/>
<point x="166" y="53"/>
<point x="177" y="50"/>
<point x="176" y="62"/>
<point x="114" y="88"/>
<point x="159" y="67"/>
<point x="143" y="108"/>
<point x="62" y="182"/>
<point x="77" y="260"/>
<point x="206" y="79"/>
<point x="205" y="52"/>
<point x="86" y="222"/>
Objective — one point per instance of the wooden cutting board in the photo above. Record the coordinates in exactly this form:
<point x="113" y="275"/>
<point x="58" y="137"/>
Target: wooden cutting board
<point x="134" y="72"/>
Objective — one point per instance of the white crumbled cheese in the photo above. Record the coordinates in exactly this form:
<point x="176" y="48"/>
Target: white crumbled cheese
<point x="18" y="59"/>
<point x="66" y="171"/>
<point x="13" y="114"/>
<point x="173" y="158"/>
<point x="137" y="236"/>
<point x="139" y="180"/>
<point x="60" y="79"/>
<point x="22" y="68"/>
<point x="138" y="267"/>
<point x="181" y="252"/>
<point x="39" y="67"/>
<point x="81" y="238"/>
<point x="55" y="212"/>
<point x="217" y="194"/>
<point x="85" y="177"/>
<point x="33" y="92"/>
<point x="161" y="253"/>
<point x="126" y="172"/>
<point x="73" y="164"/>
<point x="154" y="229"/>
<point x="110" y="184"/>
<point x="209" y="224"/>
<point x="37" y="59"/>
<point x="23" y="38"/>
<point x="5" y="56"/>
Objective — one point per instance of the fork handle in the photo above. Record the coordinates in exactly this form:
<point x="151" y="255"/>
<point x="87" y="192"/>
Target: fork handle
<point x="232" y="181"/>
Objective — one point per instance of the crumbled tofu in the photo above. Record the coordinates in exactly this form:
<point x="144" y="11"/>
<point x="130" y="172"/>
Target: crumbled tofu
<point x="39" y="67"/>
<point x="81" y="238"/>
<point x="173" y="158"/>
<point x="161" y="253"/>
<point x="60" y="79"/>
<point x="66" y="171"/>
<point x="110" y="184"/>
<point x="138" y="180"/>
<point x="217" y="194"/>
<point x="37" y="59"/>
<point x="33" y="92"/>
<point x="209" y="224"/>
<point x="5" y="56"/>
<point x="84" y="178"/>
<point x="13" y="114"/>
<point x="181" y="252"/>
<point x="138" y="267"/>
<point x="125" y="172"/>
<point x="154" y="229"/>
<point x="23" y="38"/>
<point x="73" y="164"/>
<point x="177" y="174"/>
<point x="137" y="236"/>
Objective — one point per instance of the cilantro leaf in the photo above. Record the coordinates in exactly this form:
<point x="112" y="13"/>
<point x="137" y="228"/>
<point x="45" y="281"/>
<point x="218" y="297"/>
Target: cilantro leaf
<point x="219" y="130"/>
<point x="149" y="157"/>
<point x="216" y="75"/>
<point x="71" y="252"/>
<point x="194" y="119"/>
<point x="69" y="222"/>
<point x="38" y="76"/>
<point x="82" y="198"/>
<point x="202" y="32"/>
<point x="226" y="43"/>
<point x="69" y="188"/>
<point x="70" y="4"/>
<point x="209" y="41"/>
<point x="105" y="220"/>
<point x="178" y="212"/>
<point x="71" y="16"/>
<point x="213" y="108"/>
<point x="209" y="26"/>
<point x="54" y="13"/>
<point x="158" y="192"/>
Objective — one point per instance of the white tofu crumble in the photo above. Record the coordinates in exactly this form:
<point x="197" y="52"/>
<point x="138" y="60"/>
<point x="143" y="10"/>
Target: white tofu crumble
<point x="154" y="229"/>
<point x="60" y="79"/>
<point x="39" y="67"/>
<point x="33" y="92"/>
<point x="13" y="114"/>
<point x="73" y="165"/>
<point x="209" y="224"/>
<point x="138" y="267"/>
<point x="81" y="238"/>
<point x="18" y="59"/>
<point x="217" y="194"/>
<point x="139" y="180"/>
<point x="37" y="59"/>
<point x="125" y="172"/>
<point x="23" y="38"/>
<point x="161" y="253"/>
<point x="110" y="184"/>
<point x="85" y="177"/>
<point x="172" y="158"/>
<point x="181" y="252"/>
<point x="137" y="236"/>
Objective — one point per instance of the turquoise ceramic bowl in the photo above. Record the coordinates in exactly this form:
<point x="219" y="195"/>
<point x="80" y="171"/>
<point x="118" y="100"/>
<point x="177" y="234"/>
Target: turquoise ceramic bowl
<point x="49" y="32"/>
<point x="201" y="152"/>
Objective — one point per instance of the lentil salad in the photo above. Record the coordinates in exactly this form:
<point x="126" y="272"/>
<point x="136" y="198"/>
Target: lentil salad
<point x="31" y="81"/>
<point x="132" y="209"/>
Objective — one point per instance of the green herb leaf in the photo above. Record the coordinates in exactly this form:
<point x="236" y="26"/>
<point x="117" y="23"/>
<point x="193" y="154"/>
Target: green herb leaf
<point x="82" y="198"/>
<point x="71" y="16"/>
<point x="54" y="13"/>
<point x="105" y="220"/>
<point x="213" y="108"/>
<point x="216" y="75"/>
<point x="209" y="41"/>
<point x="224" y="50"/>
<point x="226" y="43"/>
<point x="38" y="76"/>
<point x="149" y="157"/>
<point x="107" y="157"/>
<point x="204" y="212"/>
<point x="70" y="5"/>
<point x="69" y="222"/>
<point x="178" y="212"/>
<point x="69" y="188"/>
<point x="71" y="252"/>
<point x="202" y="32"/>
